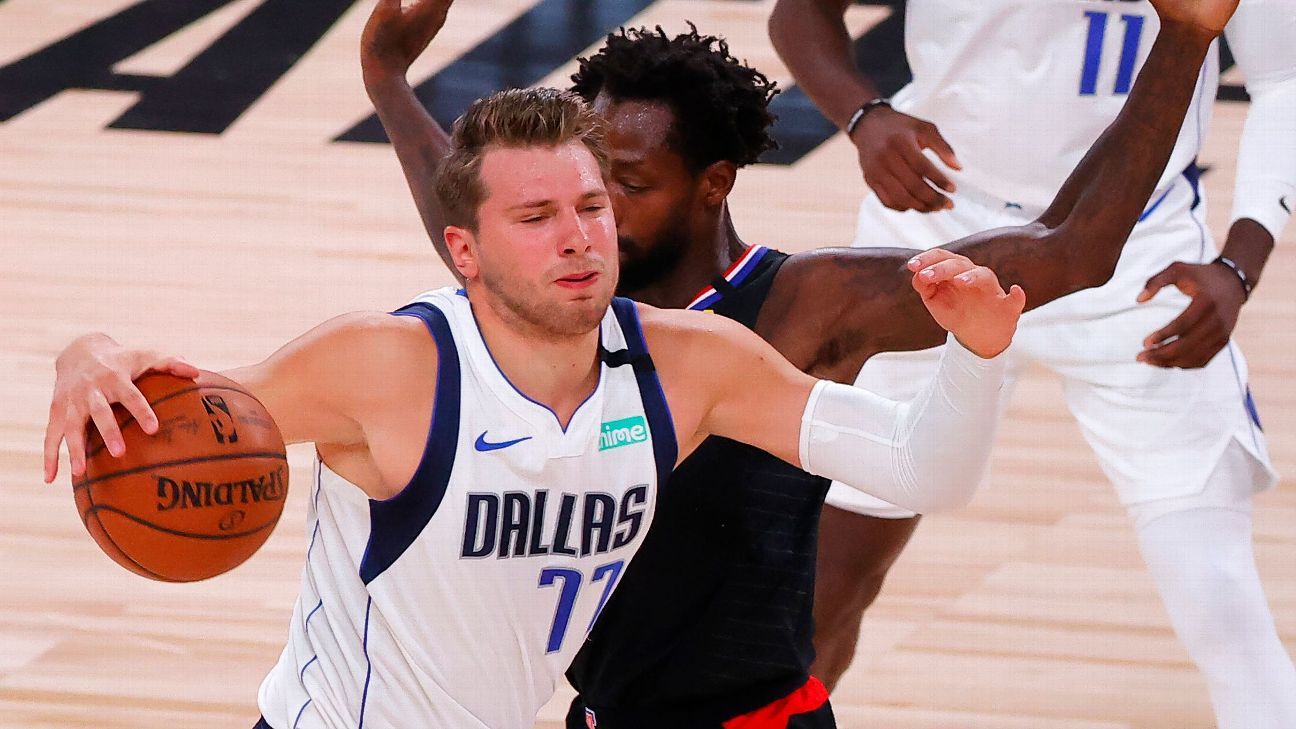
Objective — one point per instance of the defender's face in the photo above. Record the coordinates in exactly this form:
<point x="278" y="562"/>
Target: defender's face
<point x="546" y="241"/>
<point x="653" y="191"/>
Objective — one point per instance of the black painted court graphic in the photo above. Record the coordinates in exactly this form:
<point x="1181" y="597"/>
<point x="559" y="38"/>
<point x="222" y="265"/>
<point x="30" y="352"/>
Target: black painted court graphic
<point x="225" y="79"/>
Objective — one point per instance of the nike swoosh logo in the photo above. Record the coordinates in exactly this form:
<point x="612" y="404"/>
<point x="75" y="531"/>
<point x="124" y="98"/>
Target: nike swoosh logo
<point x="486" y="446"/>
<point x="1283" y="202"/>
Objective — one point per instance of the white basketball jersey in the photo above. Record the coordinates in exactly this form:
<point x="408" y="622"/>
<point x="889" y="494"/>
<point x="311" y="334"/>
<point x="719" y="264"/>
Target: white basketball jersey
<point x="1022" y="88"/>
<point x="460" y="602"/>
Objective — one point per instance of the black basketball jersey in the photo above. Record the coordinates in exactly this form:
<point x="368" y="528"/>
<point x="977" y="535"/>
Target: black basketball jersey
<point x="713" y="618"/>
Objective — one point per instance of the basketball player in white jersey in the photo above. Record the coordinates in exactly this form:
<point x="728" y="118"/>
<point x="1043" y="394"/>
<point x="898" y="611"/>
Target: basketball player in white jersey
<point x="1007" y="95"/>
<point x="489" y="458"/>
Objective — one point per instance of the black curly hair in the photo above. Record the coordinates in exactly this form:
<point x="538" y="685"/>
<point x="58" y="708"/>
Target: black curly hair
<point x="721" y="105"/>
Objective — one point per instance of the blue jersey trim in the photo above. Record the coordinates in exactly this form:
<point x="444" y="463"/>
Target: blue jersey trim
<point x="1152" y="208"/>
<point x="301" y="676"/>
<point x="395" y="523"/>
<point x="300" y="711"/>
<point x="1192" y="173"/>
<point x="319" y="482"/>
<point x="657" y="411"/>
<point x="527" y="397"/>
<point x="306" y="622"/>
<point x="364" y="697"/>
<point x="1250" y="403"/>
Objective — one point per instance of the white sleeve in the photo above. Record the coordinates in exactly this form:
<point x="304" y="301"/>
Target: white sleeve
<point x="1262" y="36"/>
<point x="927" y="454"/>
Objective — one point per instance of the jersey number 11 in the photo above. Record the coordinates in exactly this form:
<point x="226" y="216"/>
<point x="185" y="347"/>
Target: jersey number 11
<point x="1094" y="49"/>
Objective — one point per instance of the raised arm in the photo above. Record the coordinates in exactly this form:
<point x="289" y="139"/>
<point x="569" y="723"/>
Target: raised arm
<point x="1077" y="241"/>
<point x="393" y="37"/>
<point x="927" y="454"/>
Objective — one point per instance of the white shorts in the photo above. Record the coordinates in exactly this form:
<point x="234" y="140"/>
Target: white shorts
<point x="1157" y="432"/>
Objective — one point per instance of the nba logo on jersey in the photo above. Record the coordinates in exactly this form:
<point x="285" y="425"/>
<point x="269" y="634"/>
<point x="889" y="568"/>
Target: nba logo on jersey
<point x="591" y="721"/>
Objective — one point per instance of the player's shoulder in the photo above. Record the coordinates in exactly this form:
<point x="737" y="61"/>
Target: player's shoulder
<point x="374" y="343"/>
<point x="374" y="327"/>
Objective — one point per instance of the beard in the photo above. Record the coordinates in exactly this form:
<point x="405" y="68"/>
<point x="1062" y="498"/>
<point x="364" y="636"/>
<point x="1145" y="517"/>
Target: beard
<point x="551" y="318"/>
<point x="645" y="264"/>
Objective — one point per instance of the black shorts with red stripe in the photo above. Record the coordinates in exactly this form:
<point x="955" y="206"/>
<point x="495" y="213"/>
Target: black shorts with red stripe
<point x="806" y="708"/>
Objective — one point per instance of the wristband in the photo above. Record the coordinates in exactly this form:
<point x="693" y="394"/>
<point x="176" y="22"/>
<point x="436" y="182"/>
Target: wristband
<point x="1247" y="285"/>
<point x="863" y="111"/>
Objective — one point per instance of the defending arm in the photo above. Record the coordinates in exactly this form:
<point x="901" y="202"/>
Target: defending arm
<point x="927" y="454"/>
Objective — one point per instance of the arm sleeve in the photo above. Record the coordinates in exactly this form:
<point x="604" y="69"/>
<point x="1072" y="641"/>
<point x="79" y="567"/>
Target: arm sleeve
<point x="1262" y="36"/>
<point x="927" y="454"/>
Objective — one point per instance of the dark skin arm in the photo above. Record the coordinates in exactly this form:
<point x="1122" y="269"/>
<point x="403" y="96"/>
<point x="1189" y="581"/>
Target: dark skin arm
<point x="889" y="143"/>
<point x="1195" y="336"/>
<point x="393" y="37"/>
<point x="1074" y="244"/>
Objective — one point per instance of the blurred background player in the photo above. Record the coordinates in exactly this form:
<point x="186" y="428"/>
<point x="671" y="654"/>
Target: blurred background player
<point x="709" y="624"/>
<point x="1008" y="95"/>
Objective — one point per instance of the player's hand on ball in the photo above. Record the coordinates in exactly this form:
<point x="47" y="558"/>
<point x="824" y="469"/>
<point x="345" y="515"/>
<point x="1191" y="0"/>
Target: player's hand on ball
<point x="92" y="374"/>
<point x="890" y="145"/>
<point x="1202" y="329"/>
<point x="967" y="300"/>
<point x="394" y="36"/>
<point x="1209" y="16"/>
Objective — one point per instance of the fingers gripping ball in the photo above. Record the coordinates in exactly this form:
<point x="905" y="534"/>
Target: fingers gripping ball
<point x="197" y="498"/>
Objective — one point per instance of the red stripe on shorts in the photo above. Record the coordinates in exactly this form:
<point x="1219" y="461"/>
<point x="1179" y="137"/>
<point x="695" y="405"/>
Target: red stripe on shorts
<point x="809" y="697"/>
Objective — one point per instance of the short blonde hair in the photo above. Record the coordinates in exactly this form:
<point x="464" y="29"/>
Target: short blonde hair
<point x="535" y="117"/>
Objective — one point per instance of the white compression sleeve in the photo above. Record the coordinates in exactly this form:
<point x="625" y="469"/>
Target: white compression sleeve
<point x="1261" y="35"/>
<point x="927" y="454"/>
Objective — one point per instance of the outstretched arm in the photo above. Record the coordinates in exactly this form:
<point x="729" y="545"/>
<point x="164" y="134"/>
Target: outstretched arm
<point x="926" y="454"/>
<point x="316" y="388"/>
<point x="1076" y="242"/>
<point x="393" y="37"/>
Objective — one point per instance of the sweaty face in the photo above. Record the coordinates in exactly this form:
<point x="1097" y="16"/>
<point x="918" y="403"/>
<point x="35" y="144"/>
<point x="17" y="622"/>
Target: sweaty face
<point x="653" y="190"/>
<point x="545" y="248"/>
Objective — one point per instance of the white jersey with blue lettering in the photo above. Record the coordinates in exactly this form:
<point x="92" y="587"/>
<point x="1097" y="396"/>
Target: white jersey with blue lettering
<point x="459" y="602"/>
<point x="1022" y="88"/>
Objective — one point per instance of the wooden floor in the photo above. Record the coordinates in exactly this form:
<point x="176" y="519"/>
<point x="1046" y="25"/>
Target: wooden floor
<point x="1030" y="609"/>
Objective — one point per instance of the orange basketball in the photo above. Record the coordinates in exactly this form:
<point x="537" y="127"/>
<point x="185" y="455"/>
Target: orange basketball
<point x="197" y="498"/>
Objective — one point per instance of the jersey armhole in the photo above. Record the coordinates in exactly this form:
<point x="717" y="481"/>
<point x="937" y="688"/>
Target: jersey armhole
<point x="396" y="522"/>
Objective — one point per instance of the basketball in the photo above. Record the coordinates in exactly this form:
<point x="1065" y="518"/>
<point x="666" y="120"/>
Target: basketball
<point x="197" y="498"/>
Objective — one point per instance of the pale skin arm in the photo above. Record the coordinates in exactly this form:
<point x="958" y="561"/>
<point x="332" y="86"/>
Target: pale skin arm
<point x="318" y="388"/>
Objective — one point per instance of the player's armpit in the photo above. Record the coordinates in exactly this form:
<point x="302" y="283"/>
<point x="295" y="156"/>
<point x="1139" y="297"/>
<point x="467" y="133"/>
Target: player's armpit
<point x="326" y="385"/>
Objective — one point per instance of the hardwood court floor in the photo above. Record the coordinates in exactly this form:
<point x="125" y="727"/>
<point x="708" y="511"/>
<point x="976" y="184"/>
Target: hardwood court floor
<point x="1030" y="609"/>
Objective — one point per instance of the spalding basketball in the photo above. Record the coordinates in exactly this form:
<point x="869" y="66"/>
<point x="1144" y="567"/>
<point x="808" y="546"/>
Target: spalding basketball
<point x="197" y="498"/>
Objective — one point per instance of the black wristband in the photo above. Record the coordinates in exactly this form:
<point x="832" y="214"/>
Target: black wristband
<point x="861" y="112"/>
<point x="1247" y="285"/>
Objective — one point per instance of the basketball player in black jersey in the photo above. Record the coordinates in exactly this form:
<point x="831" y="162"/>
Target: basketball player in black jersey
<point x="711" y="625"/>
